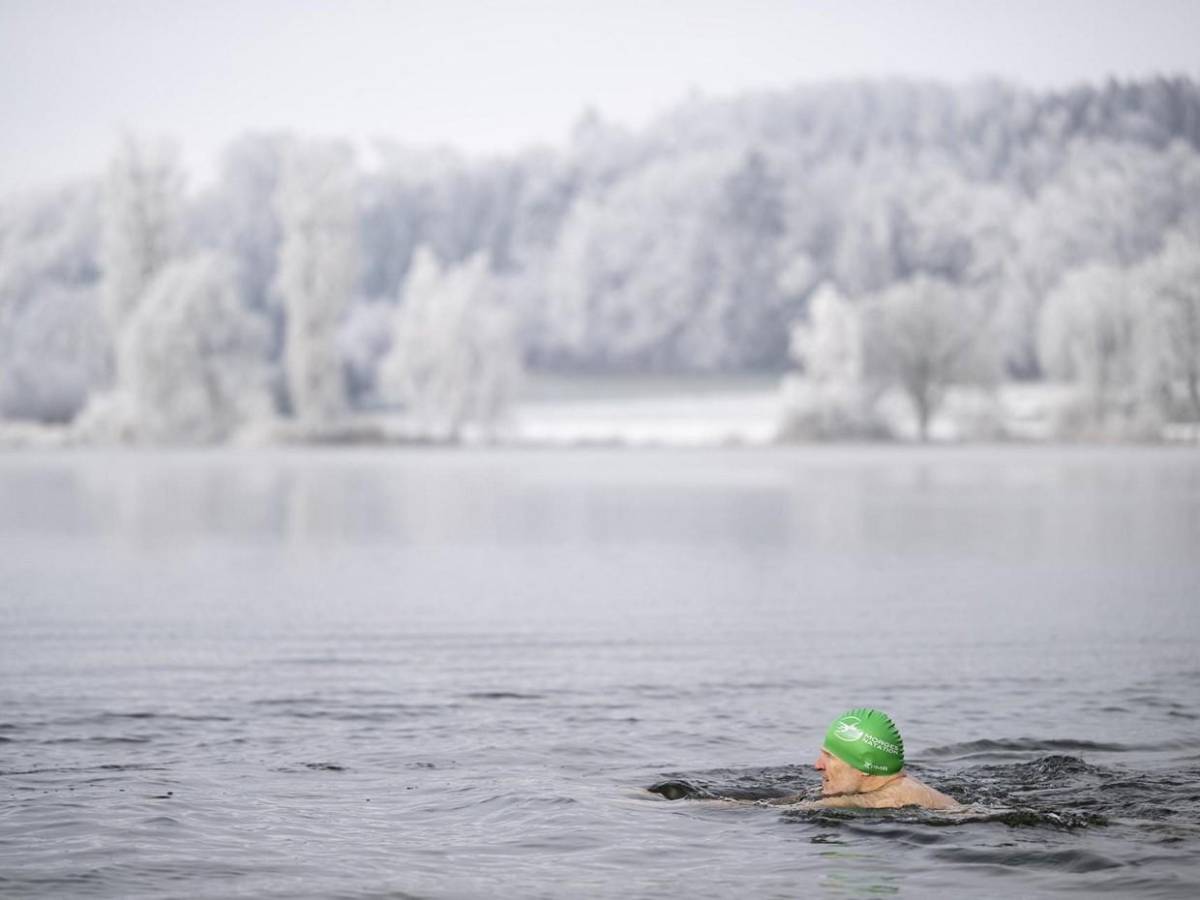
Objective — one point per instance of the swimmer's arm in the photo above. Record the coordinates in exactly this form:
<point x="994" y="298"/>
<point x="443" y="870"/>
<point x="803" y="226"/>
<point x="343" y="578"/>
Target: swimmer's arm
<point x="856" y="801"/>
<point x="795" y="801"/>
<point x="832" y="803"/>
<point x="931" y="800"/>
<point x="943" y="801"/>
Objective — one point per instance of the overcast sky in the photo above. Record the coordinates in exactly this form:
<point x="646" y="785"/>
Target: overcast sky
<point x="494" y="76"/>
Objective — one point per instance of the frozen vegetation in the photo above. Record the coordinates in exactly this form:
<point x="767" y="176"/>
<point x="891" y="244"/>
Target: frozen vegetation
<point x="911" y="261"/>
<point x="453" y="359"/>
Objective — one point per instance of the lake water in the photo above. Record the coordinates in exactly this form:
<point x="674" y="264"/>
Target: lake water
<point x="455" y="674"/>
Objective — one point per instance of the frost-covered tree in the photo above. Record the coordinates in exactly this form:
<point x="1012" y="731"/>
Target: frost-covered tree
<point x="828" y="343"/>
<point x="1098" y="331"/>
<point x="239" y="218"/>
<point x="1100" y="202"/>
<point x="925" y="335"/>
<point x="54" y="347"/>
<point x="1108" y="202"/>
<point x="195" y="360"/>
<point x="1174" y="282"/>
<point x="863" y="257"/>
<point x="454" y="358"/>
<point x="143" y="200"/>
<point x="740" y="314"/>
<point x="317" y="266"/>
<point x="53" y="353"/>
<point x="434" y="197"/>
<point x="832" y="398"/>
<point x="363" y="341"/>
<point x="623" y="286"/>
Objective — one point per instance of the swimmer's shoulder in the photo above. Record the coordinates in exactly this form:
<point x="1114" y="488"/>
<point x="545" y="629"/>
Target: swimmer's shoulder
<point x="917" y="793"/>
<point x="907" y="791"/>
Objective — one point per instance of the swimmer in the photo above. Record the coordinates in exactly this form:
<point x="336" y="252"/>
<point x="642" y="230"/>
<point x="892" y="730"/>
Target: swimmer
<point x="862" y="766"/>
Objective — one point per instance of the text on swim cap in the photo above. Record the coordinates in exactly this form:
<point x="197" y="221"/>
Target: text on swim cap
<point x="848" y="730"/>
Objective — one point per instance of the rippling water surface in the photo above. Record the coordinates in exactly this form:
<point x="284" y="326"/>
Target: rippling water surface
<point x="441" y="674"/>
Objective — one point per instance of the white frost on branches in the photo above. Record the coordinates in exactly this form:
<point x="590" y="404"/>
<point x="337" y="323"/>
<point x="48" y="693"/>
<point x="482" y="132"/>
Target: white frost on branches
<point x="1098" y="330"/>
<point x="921" y="337"/>
<point x="54" y="346"/>
<point x="1174" y="279"/>
<point x="195" y="360"/>
<point x="454" y="359"/>
<point x="829" y="344"/>
<point x="141" y="224"/>
<point x="924" y="336"/>
<point x="831" y="399"/>
<point x="317" y="266"/>
<point x="52" y="354"/>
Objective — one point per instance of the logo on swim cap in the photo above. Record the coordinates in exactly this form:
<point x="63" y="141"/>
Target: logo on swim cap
<point x="868" y="740"/>
<point x="847" y="728"/>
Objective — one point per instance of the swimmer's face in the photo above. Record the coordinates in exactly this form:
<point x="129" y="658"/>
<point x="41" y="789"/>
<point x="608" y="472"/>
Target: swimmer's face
<point x="837" y="777"/>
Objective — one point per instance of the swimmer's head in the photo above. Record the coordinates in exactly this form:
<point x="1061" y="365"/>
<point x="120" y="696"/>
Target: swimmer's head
<point x="867" y="740"/>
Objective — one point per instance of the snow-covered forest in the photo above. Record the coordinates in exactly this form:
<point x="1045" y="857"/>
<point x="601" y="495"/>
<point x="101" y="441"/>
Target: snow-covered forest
<point x="877" y="245"/>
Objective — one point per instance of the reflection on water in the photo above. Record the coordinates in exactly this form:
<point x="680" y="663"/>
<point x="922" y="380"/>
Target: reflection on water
<point x="452" y="673"/>
<point x="862" y="500"/>
<point x="850" y="875"/>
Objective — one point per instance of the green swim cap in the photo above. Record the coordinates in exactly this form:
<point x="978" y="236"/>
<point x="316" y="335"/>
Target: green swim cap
<point x="868" y="740"/>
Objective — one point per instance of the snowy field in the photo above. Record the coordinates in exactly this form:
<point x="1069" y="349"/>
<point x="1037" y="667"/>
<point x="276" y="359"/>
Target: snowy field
<point x="648" y="412"/>
<point x="753" y="411"/>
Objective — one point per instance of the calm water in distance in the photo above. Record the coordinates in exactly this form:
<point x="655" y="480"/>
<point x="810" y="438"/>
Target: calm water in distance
<point x="454" y="674"/>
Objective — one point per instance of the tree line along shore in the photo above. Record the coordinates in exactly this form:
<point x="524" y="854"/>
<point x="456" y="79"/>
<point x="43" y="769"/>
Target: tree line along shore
<point x="899" y="253"/>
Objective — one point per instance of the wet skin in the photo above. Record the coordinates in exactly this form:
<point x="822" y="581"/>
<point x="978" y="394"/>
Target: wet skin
<point x="842" y="785"/>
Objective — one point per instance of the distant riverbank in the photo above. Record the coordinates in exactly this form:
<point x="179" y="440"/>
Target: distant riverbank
<point x="665" y="411"/>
